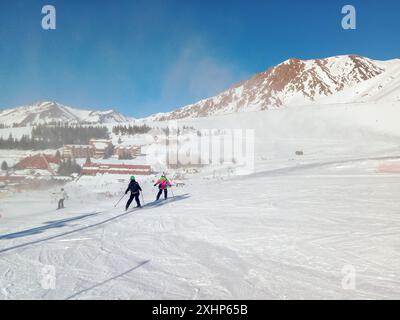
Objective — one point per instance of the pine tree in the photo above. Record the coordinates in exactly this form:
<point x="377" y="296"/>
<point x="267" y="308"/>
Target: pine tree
<point x="4" y="166"/>
<point x="109" y="151"/>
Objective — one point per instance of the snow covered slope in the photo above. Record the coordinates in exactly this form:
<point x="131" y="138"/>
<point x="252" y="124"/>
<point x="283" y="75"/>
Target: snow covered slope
<point x="46" y="112"/>
<point x="384" y="88"/>
<point x="296" y="82"/>
<point x="291" y="230"/>
<point x="286" y="235"/>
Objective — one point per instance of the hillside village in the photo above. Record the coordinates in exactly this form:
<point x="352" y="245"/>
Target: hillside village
<point x="41" y="160"/>
<point x="48" y="141"/>
<point x="71" y="161"/>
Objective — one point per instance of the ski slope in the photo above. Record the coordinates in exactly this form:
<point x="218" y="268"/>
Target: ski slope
<point x="277" y="235"/>
<point x="286" y="231"/>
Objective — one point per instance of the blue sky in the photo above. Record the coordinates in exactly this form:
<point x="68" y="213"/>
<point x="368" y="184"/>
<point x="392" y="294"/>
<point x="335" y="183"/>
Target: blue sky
<point x="142" y="57"/>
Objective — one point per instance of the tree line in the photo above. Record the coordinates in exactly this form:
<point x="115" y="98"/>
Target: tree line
<point x="4" y="166"/>
<point x="130" y="130"/>
<point x="54" y="137"/>
<point x="123" y="130"/>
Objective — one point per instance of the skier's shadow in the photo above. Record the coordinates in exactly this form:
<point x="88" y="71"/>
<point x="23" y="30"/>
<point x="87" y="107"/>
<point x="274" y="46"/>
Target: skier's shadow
<point x="108" y="280"/>
<point x="64" y="222"/>
<point x="48" y="225"/>
<point x="160" y="203"/>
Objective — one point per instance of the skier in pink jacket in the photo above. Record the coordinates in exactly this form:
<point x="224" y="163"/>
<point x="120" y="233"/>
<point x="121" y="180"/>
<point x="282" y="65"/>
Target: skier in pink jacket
<point x="163" y="184"/>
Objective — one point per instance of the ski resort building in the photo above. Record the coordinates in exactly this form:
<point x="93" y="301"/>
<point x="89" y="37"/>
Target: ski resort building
<point x="100" y="146"/>
<point x="96" y="148"/>
<point x="39" y="162"/>
<point x="127" y="151"/>
<point x="78" y="151"/>
<point x="126" y="169"/>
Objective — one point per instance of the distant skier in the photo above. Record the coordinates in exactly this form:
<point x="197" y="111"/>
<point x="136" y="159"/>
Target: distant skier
<point x="163" y="184"/>
<point x="135" y="190"/>
<point x="62" y="196"/>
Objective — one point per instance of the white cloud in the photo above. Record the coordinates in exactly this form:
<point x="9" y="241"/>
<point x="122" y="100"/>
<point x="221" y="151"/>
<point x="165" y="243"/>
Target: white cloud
<point x="196" y="75"/>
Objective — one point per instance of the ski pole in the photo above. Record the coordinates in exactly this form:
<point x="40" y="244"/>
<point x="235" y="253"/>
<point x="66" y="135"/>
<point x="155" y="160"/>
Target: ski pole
<point x="142" y="198"/>
<point x="173" y="193"/>
<point x="119" y="201"/>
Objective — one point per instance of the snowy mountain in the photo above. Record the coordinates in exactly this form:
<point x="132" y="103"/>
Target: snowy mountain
<point x="382" y="88"/>
<point x="334" y="80"/>
<point x="47" y="112"/>
<point x="301" y="82"/>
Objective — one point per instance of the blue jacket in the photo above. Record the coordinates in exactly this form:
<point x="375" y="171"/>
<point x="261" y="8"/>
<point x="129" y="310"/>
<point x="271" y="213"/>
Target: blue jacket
<point x="133" y="187"/>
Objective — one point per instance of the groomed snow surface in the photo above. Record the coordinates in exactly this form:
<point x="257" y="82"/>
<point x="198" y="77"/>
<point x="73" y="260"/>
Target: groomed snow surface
<point x="291" y="230"/>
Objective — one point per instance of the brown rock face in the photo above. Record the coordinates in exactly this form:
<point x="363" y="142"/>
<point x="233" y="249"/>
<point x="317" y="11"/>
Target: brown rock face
<point x="293" y="82"/>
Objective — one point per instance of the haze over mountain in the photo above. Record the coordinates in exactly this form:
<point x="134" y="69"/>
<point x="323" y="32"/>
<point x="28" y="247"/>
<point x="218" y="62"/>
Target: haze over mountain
<point x="334" y="80"/>
<point x="340" y="79"/>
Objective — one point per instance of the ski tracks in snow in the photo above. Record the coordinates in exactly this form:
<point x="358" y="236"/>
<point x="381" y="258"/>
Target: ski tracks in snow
<point x="271" y="237"/>
<point x="77" y="257"/>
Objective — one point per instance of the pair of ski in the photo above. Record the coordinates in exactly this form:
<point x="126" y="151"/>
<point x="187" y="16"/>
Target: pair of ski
<point x="150" y="205"/>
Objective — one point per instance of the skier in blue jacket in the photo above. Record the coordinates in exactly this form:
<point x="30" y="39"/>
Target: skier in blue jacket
<point x="135" y="190"/>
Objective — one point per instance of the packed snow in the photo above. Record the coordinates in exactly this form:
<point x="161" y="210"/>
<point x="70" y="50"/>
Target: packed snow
<point x="297" y="227"/>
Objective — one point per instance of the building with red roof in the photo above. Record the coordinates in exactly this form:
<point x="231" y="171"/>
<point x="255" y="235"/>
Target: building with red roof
<point x="38" y="162"/>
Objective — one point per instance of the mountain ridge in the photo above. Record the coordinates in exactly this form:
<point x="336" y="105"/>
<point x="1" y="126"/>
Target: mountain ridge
<point x="50" y="111"/>
<point x="293" y="82"/>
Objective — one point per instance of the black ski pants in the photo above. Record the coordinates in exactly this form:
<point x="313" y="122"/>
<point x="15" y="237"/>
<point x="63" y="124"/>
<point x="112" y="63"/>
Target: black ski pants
<point x="160" y="193"/>
<point x="133" y="196"/>
<point x="61" y="204"/>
